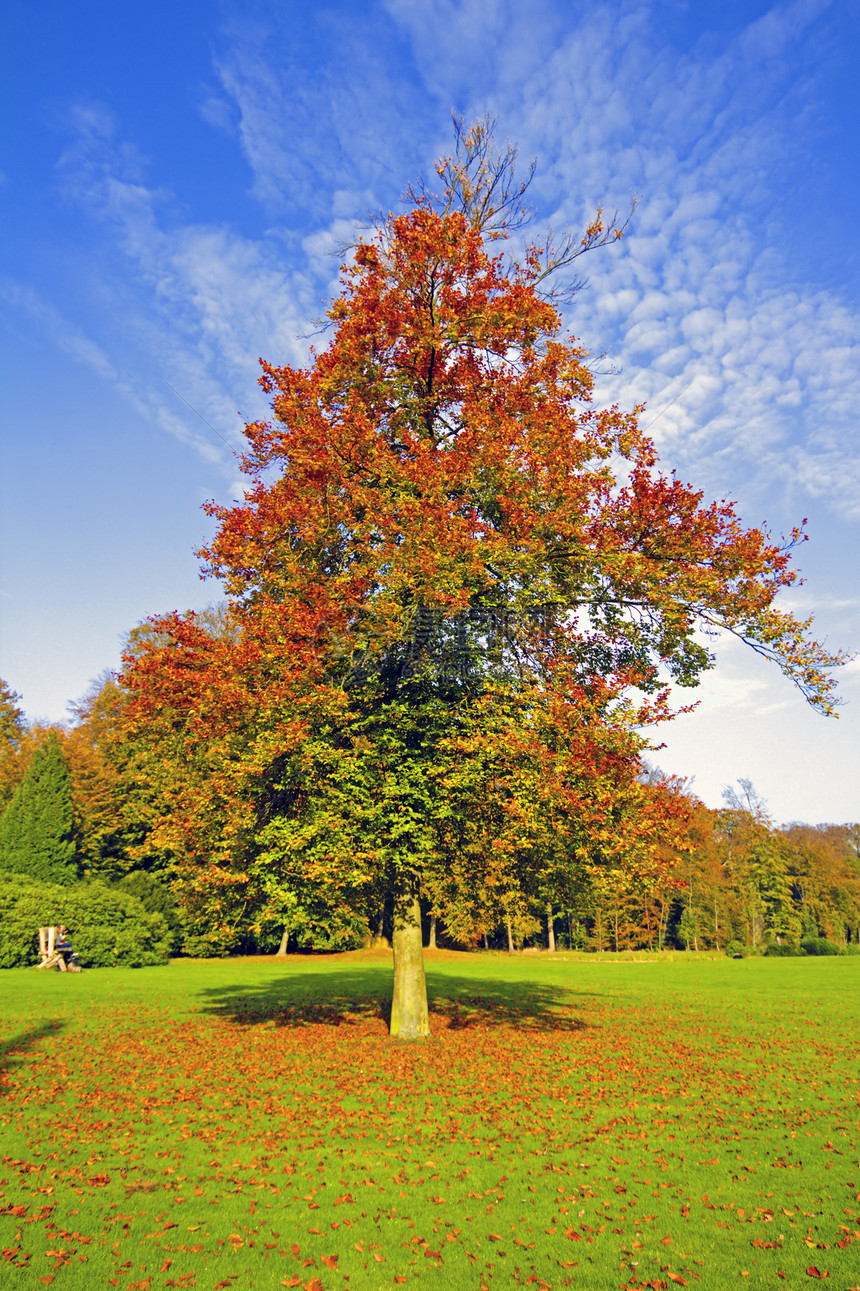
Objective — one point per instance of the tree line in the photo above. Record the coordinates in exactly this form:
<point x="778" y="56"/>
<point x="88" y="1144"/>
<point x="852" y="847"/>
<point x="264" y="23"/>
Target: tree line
<point x="79" y="804"/>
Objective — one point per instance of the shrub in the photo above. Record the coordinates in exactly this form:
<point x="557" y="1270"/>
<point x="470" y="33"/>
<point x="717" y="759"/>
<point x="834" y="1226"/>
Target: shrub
<point x="820" y="946"/>
<point x="784" y="950"/>
<point x="212" y="945"/>
<point x="735" y="950"/>
<point x="153" y="891"/>
<point x="107" y="928"/>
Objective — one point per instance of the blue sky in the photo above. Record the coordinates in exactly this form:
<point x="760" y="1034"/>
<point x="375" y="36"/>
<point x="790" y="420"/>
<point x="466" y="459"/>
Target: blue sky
<point x="177" y="178"/>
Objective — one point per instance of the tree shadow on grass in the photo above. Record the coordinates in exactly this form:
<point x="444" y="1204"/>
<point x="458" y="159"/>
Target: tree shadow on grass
<point x="13" y="1052"/>
<point x="348" y="998"/>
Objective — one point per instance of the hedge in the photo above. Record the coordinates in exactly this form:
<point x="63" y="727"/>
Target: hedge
<point x="107" y="928"/>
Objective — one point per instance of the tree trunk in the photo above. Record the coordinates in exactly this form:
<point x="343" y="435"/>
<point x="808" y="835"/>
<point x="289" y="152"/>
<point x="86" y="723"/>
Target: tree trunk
<point x="376" y="937"/>
<point x="285" y="941"/>
<point x="431" y="943"/>
<point x="409" y="1014"/>
<point x="661" y="926"/>
<point x="550" y="930"/>
<point x="510" y="937"/>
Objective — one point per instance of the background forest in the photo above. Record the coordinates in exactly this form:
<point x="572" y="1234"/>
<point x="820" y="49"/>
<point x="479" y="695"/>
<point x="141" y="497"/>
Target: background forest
<point x="79" y="802"/>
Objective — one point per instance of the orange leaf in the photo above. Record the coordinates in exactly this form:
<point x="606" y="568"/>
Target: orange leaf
<point x="813" y="1272"/>
<point x="330" y="1261"/>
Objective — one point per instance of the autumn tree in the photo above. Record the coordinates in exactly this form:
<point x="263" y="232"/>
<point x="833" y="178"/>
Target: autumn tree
<point x="457" y="592"/>
<point x="822" y="867"/>
<point x="13" y="731"/>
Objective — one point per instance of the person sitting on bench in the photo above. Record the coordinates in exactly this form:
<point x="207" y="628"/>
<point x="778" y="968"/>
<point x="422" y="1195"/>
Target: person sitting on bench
<point x="66" y="950"/>
<point x="56" y="951"/>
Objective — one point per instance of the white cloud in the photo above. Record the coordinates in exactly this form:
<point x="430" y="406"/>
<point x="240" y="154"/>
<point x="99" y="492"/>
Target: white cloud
<point x="22" y="299"/>
<point x="193" y="306"/>
<point x="737" y="362"/>
<point x="700" y="307"/>
<point x="324" y="138"/>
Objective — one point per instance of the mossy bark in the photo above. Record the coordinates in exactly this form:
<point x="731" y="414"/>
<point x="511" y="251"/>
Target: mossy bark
<point x="431" y="941"/>
<point x="409" y="1015"/>
<point x="550" y="930"/>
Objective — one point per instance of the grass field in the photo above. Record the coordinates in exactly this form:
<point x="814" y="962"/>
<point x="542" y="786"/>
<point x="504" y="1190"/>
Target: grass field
<point x="584" y="1122"/>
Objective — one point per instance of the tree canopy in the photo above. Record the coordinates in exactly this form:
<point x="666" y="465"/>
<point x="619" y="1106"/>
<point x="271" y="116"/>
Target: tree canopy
<point x="457" y="594"/>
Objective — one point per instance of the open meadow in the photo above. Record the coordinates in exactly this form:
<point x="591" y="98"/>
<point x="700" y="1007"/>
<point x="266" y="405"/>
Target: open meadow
<point x="574" y="1121"/>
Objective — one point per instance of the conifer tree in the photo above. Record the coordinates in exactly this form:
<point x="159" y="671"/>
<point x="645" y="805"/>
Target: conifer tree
<point x="36" y="836"/>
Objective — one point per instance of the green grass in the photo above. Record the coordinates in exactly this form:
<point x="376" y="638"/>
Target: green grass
<point x="574" y="1121"/>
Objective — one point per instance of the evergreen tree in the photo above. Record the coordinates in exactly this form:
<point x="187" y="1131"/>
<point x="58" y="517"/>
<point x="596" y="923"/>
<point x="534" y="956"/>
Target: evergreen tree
<point x="36" y="836"/>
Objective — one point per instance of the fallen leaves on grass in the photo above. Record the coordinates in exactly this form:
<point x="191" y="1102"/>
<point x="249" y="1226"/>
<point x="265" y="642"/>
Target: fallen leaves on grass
<point x="378" y="1133"/>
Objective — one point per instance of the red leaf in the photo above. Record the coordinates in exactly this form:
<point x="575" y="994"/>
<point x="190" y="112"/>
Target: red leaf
<point x="573" y="1235"/>
<point x="813" y="1272"/>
